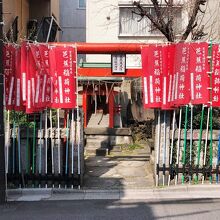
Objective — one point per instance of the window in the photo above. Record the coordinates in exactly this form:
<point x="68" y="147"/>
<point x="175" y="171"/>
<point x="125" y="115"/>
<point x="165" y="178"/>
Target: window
<point x="131" y="25"/>
<point x="82" y="3"/>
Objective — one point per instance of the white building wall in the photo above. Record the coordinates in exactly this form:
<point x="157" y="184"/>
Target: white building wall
<point x="211" y="20"/>
<point x="102" y="24"/>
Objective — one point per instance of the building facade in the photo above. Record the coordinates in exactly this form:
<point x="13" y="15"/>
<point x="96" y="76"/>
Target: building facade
<point x="73" y="20"/>
<point x="22" y="14"/>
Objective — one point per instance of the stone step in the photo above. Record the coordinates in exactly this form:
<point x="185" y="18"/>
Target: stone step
<point x="96" y="145"/>
<point x="93" y="140"/>
<point x="116" y="148"/>
<point x="96" y="152"/>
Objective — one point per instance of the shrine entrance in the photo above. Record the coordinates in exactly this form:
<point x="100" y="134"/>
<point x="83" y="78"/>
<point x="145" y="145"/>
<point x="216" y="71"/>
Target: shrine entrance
<point x="98" y="105"/>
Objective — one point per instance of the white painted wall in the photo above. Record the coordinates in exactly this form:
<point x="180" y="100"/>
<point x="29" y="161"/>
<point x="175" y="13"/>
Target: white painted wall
<point x="102" y="25"/>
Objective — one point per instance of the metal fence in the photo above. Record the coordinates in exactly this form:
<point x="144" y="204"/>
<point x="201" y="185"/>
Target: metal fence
<point x="42" y="155"/>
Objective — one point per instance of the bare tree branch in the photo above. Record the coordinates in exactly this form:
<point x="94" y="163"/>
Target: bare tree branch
<point x="165" y="24"/>
<point x="191" y="25"/>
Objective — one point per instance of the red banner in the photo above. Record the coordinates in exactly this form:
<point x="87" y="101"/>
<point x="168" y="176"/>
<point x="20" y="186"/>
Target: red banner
<point x="9" y="52"/>
<point x="24" y="59"/>
<point x="168" y="53"/>
<point x="181" y="79"/>
<point x="18" y="82"/>
<point x="199" y="69"/>
<point x="216" y="76"/>
<point x="152" y="76"/>
<point x="47" y="80"/>
<point x="63" y="71"/>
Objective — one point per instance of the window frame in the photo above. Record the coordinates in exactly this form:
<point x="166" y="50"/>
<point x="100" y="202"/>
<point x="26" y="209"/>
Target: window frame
<point x="80" y="7"/>
<point x="151" y="33"/>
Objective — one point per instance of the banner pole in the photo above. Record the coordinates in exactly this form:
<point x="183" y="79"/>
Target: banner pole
<point x="211" y="114"/>
<point x="13" y="145"/>
<point x="51" y="140"/>
<point x="72" y="150"/>
<point x="172" y="142"/>
<point x="34" y="145"/>
<point x="40" y="150"/>
<point x="19" y="151"/>
<point x="27" y="147"/>
<point x="178" y="147"/>
<point x="164" y="149"/>
<point x="191" y="145"/>
<point x="184" y="144"/>
<point x="199" y="144"/>
<point x="67" y="143"/>
<point x="217" y="161"/>
<point x="72" y="146"/>
<point x="210" y="146"/>
<point x="58" y="133"/>
<point x="158" y="149"/>
<point x="46" y="136"/>
<point x="78" y="122"/>
<point x="7" y="141"/>
<point x="206" y="144"/>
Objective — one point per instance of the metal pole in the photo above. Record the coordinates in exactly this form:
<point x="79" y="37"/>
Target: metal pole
<point x="7" y="144"/>
<point x="48" y="34"/>
<point x="199" y="145"/>
<point x="172" y="141"/>
<point x="58" y="133"/>
<point x="184" y="145"/>
<point x="34" y="146"/>
<point x="211" y="111"/>
<point x="51" y="140"/>
<point x="46" y="136"/>
<point x="178" y="146"/>
<point x="73" y="139"/>
<point x="158" y="148"/>
<point x="191" y="144"/>
<point x="67" y="143"/>
<point x="164" y="148"/>
<point x="40" y="150"/>
<point x="206" y="144"/>
<point x="2" y="130"/>
<point x="78" y="121"/>
<point x="13" y="145"/>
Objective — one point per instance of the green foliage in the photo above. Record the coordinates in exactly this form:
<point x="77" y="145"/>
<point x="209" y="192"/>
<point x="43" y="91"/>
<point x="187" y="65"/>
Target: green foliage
<point x="197" y="112"/>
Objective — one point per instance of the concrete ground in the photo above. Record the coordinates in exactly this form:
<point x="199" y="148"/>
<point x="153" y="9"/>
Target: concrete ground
<point x="121" y="169"/>
<point x="201" y="209"/>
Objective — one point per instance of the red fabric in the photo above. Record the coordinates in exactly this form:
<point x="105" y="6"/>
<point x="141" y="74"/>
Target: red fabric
<point x="63" y="71"/>
<point x="18" y="82"/>
<point x="152" y="76"/>
<point x="216" y="76"/>
<point x="168" y="53"/>
<point x="199" y="79"/>
<point x="9" y="52"/>
<point x="46" y="87"/>
<point x="31" y="82"/>
<point x="24" y="69"/>
<point x="181" y="78"/>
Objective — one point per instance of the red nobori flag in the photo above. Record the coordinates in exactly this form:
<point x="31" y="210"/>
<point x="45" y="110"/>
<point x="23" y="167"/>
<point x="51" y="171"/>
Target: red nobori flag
<point x="31" y="82"/>
<point x="9" y="75"/>
<point x="181" y="78"/>
<point x="46" y="87"/>
<point x="40" y="73"/>
<point x="216" y="75"/>
<point x="18" y="82"/>
<point x="64" y="76"/>
<point x="24" y="68"/>
<point x="152" y="76"/>
<point x="168" y="53"/>
<point x="199" y="78"/>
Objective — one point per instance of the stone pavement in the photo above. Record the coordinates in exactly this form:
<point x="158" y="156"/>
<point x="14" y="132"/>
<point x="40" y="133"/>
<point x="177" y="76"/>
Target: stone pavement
<point x="121" y="169"/>
<point x="173" y="192"/>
